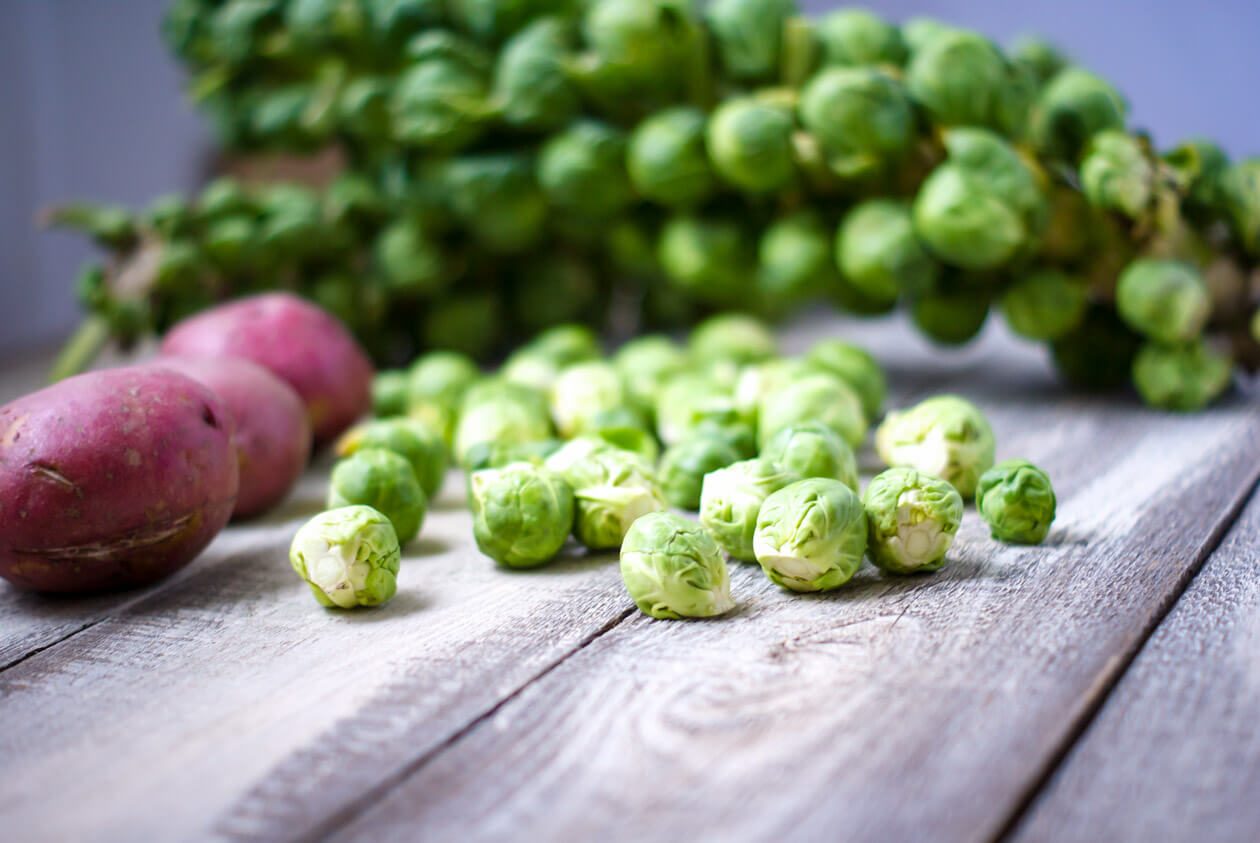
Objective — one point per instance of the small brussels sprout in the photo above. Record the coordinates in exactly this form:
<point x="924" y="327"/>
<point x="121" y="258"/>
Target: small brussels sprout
<point x="528" y="367"/>
<point x="962" y="79"/>
<point x="750" y="145"/>
<point x="1240" y="185"/>
<point x="582" y="170"/>
<point x="384" y="481"/>
<point x="498" y="199"/>
<point x="878" y="252"/>
<point x="389" y="394"/>
<point x="423" y="447"/>
<point x="819" y="397"/>
<point x="530" y="79"/>
<point x="672" y="568"/>
<point x="348" y="556"/>
<point x="409" y="260"/>
<point x="731" y="498"/>
<point x="1164" y="300"/>
<point x="1183" y="377"/>
<point x="811" y="535"/>
<point x="857" y="368"/>
<point x="982" y="207"/>
<point x="645" y="364"/>
<point x="757" y="380"/>
<point x="567" y="344"/>
<point x="1098" y="353"/>
<point x="708" y="258"/>
<point x="684" y="465"/>
<point x="740" y="436"/>
<point x="440" y="105"/>
<point x="813" y="449"/>
<point x="502" y="454"/>
<point x="794" y="259"/>
<point x="522" y="513"/>
<point x="582" y="391"/>
<point x="1118" y="174"/>
<point x="574" y="451"/>
<point x="855" y="37"/>
<point x="1016" y="500"/>
<point x="946" y="436"/>
<point x="1045" y="304"/>
<point x="612" y="488"/>
<point x="627" y="428"/>
<point x="1073" y="107"/>
<point x="734" y="337"/>
<point x="666" y="158"/>
<point x="440" y="378"/>
<point x="912" y="520"/>
<point x="690" y="399"/>
<point x="1041" y="59"/>
<point x="504" y="419"/>
<point x="637" y="47"/>
<point x="860" y="117"/>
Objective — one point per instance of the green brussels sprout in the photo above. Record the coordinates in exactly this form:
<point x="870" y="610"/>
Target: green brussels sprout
<point x="734" y="337"/>
<point x="918" y="32"/>
<point x="468" y="323"/>
<point x="849" y="298"/>
<point x="1041" y="59"/>
<point x="877" y="251"/>
<point x="684" y="465"/>
<point x="1241" y="189"/>
<point x="982" y="208"/>
<point x="1016" y="500"/>
<point x="1099" y="352"/>
<point x="813" y="449"/>
<point x="689" y="399"/>
<point x="502" y="454"/>
<point x="748" y="35"/>
<point x="583" y="390"/>
<point x="1118" y="174"/>
<point x="506" y="417"/>
<point x="422" y="446"/>
<point x="440" y="378"/>
<point x="389" y="394"/>
<point x="445" y="45"/>
<point x="1164" y="300"/>
<point x="237" y="28"/>
<point x="811" y="535"/>
<point x="855" y="37"/>
<point x="352" y="199"/>
<point x="1045" y="304"/>
<point x="860" y="117"/>
<point x="316" y="24"/>
<point x="708" y="258"/>
<point x="645" y="364"/>
<point x="731" y="498"/>
<point x="962" y="79"/>
<point x="1200" y="166"/>
<point x="230" y="242"/>
<point x="363" y="108"/>
<point x="522" y="513"/>
<point x="666" y="158"/>
<point x="857" y="368"/>
<point x="409" y="261"/>
<point x="498" y="200"/>
<point x="794" y="259"/>
<point x="750" y="145"/>
<point x="739" y="435"/>
<point x="627" y="428"/>
<point x="440" y="105"/>
<point x="385" y="481"/>
<point x="820" y="397"/>
<point x="567" y="344"/>
<point x="912" y="519"/>
<point x="553" y="288"/>
<point x="170" y="216"/>
<point x="582" y="170"/>
<point x="494" y="20"/>
<point x="946" y="436"/>
<point x="528" y="367"/>
<point x="637" y="46"/>
<point x="1183" y="377"/>
<point x="1073" y="107"/>
<point x="672" y="568"/>
<point x="612" y="489"/>
<point x="349" y="557"/>
<point x="574" y="451"/>
<point x="393" y="22"/>
<point x="530" y="79"/>
<point x="757" y="380"/>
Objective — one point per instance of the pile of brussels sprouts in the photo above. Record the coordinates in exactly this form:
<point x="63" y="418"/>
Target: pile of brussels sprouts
<point x="530" y="162"/>
<point x="565" y="443"/>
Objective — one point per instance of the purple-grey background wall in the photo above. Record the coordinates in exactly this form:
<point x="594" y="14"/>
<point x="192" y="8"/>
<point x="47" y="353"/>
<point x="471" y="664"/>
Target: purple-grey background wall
<point x="90" y="106"/>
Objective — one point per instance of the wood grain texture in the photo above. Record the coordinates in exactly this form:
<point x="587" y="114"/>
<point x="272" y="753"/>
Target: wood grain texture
<point x="1174" y="754"/>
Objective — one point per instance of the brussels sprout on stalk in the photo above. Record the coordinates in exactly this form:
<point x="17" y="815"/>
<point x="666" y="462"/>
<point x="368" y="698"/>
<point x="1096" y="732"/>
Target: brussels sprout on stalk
<point x="1241" y="193"/>
<point x="811" y="535"/>
<point x="612" y="488"/>
<point x="857" y="368"/>
<point x="1183" y="377"/>
<point x="731" y="498"/>
<point x="878" y="252"/>
<point x="685" y="464"/>
<point x="1041" y="59"/>
<point x="918" y="32"/>
<point x="1017" y="502"/>
<point x="708" y="258"/>
<point x="349" y="557"/>
<point x="498" y="199"/>
<point x="493" y="20"/>
<point x="522" y="513"/>
<point x="749" y="36"/>
<point x="667" y="160"/>
<point x="409" y="260"/>
<point x="672" y="568"/>
<point x="822" y="398"/>
<point x="750" y="145"/>
<point x="1073" y="107"/>
<point x="1118" y="174"/>
<point x="794" y="259"/>
<point x="440" y="105"/>
<point x="638" y="49"/>
<point x="384" y="481"/>
<point x="1164" y="300"/>
<point x="530" y="78"/>
<point x="855" y="37"/>
<point x="582" y="170"/>
<point x="1044" y="304"/>
<point x="946" y="436"/>
<point x="860" y="117"/>
<point x="912" y="520"/>
<point x="962" y="79"/>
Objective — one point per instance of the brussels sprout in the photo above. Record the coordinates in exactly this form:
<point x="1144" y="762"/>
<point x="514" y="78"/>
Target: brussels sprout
<point x="439" y="105"/>
<point x="363" y="108"/>
<point x="444" y="45"/>
<point x="645" y="364"/>
<point x="392" y="22"/>
<point x="389" y="394"/>
<point x="734" y="337"/>
<point x="1201" y="165"/>
<point x="851" y="299"/>
<point x="685" y="464"/>
<point x="1241" y="189"/>
<point x="440" y="379"/>
<point x="522" y="513"/>
<point x="582" y="170"/>
<point x="552" y="288"/>
<point x="236" y="29"/>
<point x="857" y="368"/>
<point x="666" y="158"/>
<point x="384" y="481"/>
<point x="912" y="520"/>
<point x="529" y="367"/>
<point x="1117" y="173"/>
<point x="813" y="449"/>
<point x="502" y="454"/>
<point x="811" y="535"/>
<point x="638" y="47"/>
<point x="1184" y="377"/>
<point x="860" y="117"/>
<point x="530" y="79"/>
<point x="877" y="251"/>
<point x="349" y="557"/>
<point x="794" y="259"/>
<point x="1073" y="107"/>
<point x="506" y="418"/>
<point x="408" y="260"/>
<point x="748" y="35"/>
<point x="583" y="390"/>
<point x="497" y="198"/>
<point x="1164" y="300"/>
<point x="627" y="428"/>
<point x="1039" y="58"/>
<point x="1017" y="502"/>
<point x="983" y="207"/>
<point x="740" y="436"/>
<point x="731" y="498"/>
<point x="1045" y="304"/>
<point x="962" y="79"/>
<point x="822" y="398"/>
<point x="918" y="32"/>
<point x="468" y="323"/>
<point x="708" y="258"/>
<point x="946" y="436"/>
<point x="1098" y="353"/>
<point x="423" y="447"/>
<point x="567" y="344"/>
<point x="855" y="37"/>
<point x="672" y="568"/>
<point x="757" y="380"/>
<point x="493" y="20"/>
<point x="612" y="489"/>
<point x="688" y="400"/>
<point x="750" y="145"/>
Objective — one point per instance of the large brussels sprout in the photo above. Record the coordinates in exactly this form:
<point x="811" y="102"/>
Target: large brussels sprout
<point x="612" y="488"/>
<point x="384" y="481"/>
<point x="912" y="520"/>
<point x="878" y="252"/>
<point x="581" y="392"/>
<point x="582" y="170"/>
<point x="813" y="449"/>
<point x="707" y="257"/>
<point x="497" y="198"/>
<point x="794" y="259"/>
<point x="1073" y="107"/>
<point x="1241" y="193"/>
<point x="857" y="368"/>
<point x="522" y="513"/>
<point x="750" y="145"/>
<point x="1098" y="353"/>
<point x="731" y="499"/>
<point x="422" y="446"/>
<point x="860" y="117"/>
<point x="962" y="79"/>
<point x="855" y="37"/>
<point x="1164" y="300"/>
<point x="822" y="398"/>
<point x="734" y="337"/>
<point x="410" y="261"/>
<point x="749" y="36"/>
<point x="672" y="568"/>
<point x="1045" y="304"/>
<point x="349" y="557"/>
<point x="441" y="105"/>
<point x="666" y="158"/>
<point x="1017" y="501"/>
<point x="688" y="400"/>
<point x="685" y="464"/>
<point x="1182" y="376"/>
<point x="946" y="436"/>
<point x="811" y="535"/>
<point x="646" y="363"/>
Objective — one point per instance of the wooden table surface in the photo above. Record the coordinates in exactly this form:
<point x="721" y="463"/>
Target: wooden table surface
<point x="1104" y="686"/>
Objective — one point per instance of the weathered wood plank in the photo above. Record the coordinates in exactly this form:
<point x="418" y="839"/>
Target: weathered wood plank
<point x="1174" y="754"/>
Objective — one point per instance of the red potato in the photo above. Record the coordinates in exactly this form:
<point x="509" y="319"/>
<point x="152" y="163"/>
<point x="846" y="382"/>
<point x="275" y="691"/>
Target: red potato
<point x="112" y="479"/>
<point x="294" y="340"/>
<point x="273" y="434"/>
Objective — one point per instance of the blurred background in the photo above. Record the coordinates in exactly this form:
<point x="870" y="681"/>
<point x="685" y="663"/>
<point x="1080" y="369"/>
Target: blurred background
<point x="92" y="107"/>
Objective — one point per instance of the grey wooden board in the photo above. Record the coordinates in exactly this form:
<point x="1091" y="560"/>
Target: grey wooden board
<point x="1174" y="754"/>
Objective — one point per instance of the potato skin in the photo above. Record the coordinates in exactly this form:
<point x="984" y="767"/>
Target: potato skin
<point x="273" y="434"/>
<point x="294" y="340"/>
<point x="112" y="479"/>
